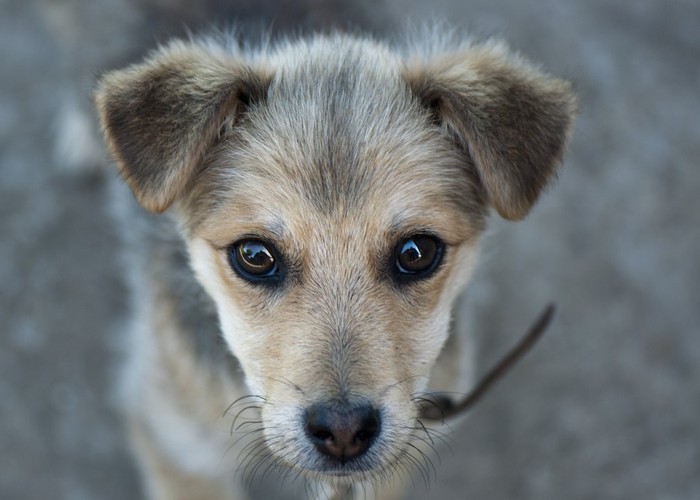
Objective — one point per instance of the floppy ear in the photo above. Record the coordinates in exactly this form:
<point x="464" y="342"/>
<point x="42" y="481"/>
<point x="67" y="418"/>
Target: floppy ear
<point x="512" y="120"/>
<point x="160" y="117"/>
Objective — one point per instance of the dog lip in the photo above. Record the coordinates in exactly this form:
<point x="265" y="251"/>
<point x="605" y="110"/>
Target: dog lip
<point x="339" y="473"/>
<point x="349" y="469"/>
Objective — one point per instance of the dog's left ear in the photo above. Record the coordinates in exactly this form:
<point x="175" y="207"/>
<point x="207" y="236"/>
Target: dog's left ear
<point x="512" y="120"/>
<point x="161" y="116"/>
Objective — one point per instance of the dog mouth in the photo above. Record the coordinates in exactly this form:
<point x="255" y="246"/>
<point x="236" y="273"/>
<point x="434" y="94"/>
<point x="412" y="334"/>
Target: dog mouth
<point x="348" y="471"/>
<point x="311" y="465"/>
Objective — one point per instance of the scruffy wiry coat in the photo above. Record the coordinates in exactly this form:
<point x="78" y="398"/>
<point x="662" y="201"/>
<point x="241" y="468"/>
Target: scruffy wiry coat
<point x="331" y="150"/>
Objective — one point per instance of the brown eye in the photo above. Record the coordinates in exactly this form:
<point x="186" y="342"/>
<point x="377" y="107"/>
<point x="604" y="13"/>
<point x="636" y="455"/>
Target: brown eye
<point x="254" y="260"/>
<point x="418" y="256"/>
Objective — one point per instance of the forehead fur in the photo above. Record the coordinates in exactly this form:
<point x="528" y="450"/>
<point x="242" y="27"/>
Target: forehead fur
<point x="338" y="127"/>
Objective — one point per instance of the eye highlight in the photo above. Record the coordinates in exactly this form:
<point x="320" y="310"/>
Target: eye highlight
<point x="417" y="256"/>
<point x="255" y="260"/>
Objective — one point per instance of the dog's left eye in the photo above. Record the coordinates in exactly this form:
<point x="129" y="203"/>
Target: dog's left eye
<point x="254" y="260"/>
<point x="418" y="256"/>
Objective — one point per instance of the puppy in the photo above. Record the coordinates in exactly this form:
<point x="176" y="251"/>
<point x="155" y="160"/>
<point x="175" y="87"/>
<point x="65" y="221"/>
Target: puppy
<point x="325" y="198"/>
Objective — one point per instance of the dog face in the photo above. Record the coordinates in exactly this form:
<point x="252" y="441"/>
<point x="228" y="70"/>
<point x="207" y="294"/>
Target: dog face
<point x="331" y="194"/>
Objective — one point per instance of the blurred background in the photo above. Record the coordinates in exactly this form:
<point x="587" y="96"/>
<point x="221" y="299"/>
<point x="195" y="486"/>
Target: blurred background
<point x="606" y="407"/>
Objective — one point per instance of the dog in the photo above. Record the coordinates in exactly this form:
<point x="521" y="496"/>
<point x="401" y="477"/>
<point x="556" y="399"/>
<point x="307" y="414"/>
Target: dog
<point x="325" y="197"/>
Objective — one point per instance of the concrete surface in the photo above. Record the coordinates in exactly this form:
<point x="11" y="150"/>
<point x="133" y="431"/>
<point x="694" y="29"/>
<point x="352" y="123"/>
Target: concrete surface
<point x="606" y="407"/>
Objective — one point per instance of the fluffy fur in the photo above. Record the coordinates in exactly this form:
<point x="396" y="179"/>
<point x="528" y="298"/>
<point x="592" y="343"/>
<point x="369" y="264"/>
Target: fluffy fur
<point x="333" y="149"/>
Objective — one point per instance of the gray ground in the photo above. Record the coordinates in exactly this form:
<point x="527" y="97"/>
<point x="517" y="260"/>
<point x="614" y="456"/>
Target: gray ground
<point x="606" y="407"/>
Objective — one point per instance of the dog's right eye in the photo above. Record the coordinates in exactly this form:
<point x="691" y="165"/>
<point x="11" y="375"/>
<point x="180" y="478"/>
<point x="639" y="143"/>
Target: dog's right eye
<point x="255" y="261"/>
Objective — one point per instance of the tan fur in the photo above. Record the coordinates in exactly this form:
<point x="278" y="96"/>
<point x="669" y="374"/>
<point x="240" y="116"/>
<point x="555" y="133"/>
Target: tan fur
<point x="332" y="150"/>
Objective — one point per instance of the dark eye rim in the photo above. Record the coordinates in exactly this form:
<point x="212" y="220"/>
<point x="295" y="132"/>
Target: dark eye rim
<point x="274" y="277"/>
<point x="404" y="276"/>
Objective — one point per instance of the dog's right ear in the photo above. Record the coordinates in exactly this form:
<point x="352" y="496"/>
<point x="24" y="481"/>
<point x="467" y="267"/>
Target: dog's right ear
<point x="160" y="117"/>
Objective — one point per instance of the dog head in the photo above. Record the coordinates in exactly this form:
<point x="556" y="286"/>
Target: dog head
<point x="331" y="193"/>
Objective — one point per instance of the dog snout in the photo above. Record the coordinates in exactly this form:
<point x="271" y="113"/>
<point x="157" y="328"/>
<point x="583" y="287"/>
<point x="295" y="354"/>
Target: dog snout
<point x="340" y="431"/>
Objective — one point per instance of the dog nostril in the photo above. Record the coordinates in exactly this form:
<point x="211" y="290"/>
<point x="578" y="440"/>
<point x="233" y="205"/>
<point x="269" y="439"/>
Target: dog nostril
<point x="342" y="432"/>
<point x="320" y="433"/>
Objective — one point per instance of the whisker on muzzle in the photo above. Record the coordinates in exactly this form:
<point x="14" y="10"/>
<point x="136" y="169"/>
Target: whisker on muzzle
<point x="241" y="400"/>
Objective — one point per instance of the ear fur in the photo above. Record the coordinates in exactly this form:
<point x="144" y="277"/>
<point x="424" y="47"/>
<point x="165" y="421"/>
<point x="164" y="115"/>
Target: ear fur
<point x="160" y="117"/>
<point x="513" y="120"/>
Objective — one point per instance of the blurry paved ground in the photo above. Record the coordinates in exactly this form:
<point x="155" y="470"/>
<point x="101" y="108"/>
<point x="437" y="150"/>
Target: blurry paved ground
<point x="606" y="407"/>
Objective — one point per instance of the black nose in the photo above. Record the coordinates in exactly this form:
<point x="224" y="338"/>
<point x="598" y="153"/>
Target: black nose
<point x="340" y="431"/>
